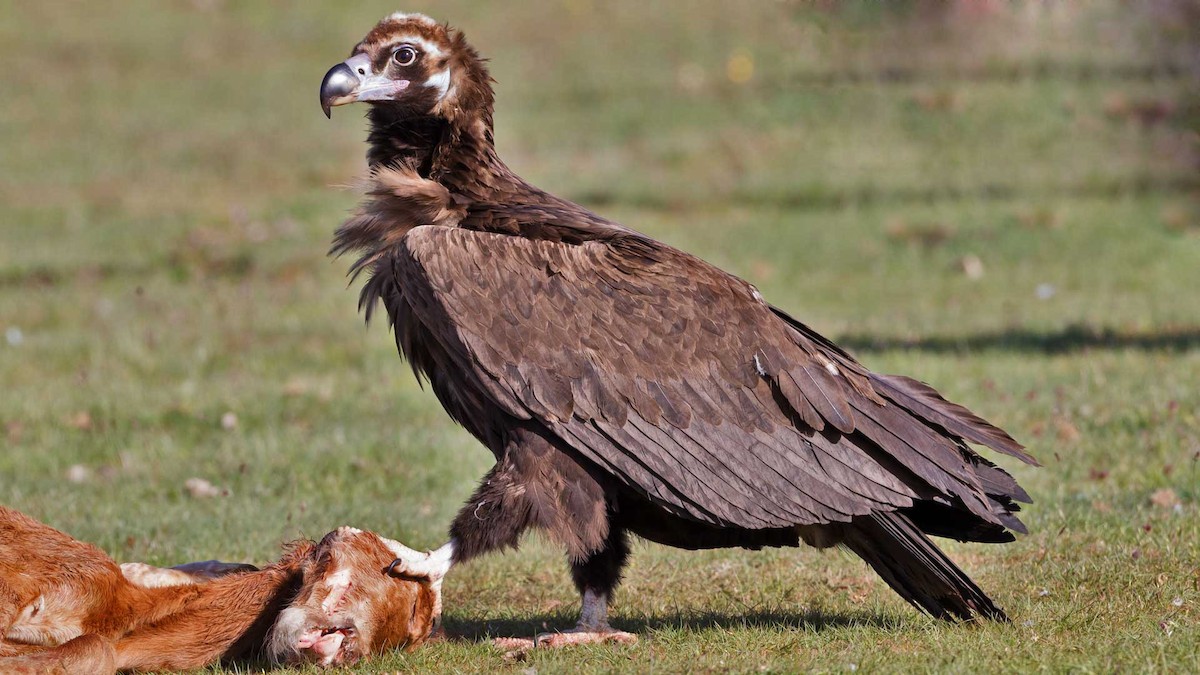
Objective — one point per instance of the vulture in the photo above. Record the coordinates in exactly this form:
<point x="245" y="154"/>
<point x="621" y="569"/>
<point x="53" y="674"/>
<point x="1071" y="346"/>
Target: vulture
<point x="626" y="387"/>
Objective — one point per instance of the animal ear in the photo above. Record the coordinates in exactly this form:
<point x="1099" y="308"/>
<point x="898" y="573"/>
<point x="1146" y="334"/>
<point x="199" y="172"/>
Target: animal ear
<point x="395" y="570"/>
<point x="425" y="622"/>
<point x="405" y="556"/>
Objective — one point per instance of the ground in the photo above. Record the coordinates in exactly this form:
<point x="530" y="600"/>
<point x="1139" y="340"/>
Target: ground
<point x="1000" y="202"/>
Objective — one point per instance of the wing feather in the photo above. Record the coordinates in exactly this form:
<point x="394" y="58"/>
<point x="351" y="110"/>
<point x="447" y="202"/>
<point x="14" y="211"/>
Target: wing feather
<point x="675" y="378"/>
<point x="926" y="401"/>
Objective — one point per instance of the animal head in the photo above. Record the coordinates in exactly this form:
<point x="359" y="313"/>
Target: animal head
<point x="413" y="66"/>
<point x="349" y="607"/>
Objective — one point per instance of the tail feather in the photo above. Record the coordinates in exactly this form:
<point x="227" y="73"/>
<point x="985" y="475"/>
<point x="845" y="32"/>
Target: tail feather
<point x="916" y="569"/>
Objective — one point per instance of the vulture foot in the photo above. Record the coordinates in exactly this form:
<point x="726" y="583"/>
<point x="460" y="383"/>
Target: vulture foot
<point x="592" y="629"/>
<point x="592" y="635"/>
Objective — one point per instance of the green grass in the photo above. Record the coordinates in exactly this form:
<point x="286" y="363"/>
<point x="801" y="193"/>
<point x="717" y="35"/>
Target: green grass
<point x="168" y="188"/>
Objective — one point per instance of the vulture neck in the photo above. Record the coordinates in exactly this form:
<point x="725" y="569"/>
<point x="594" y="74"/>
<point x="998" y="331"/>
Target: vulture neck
<point x="481" y="191"/>
<point x="459" y="154"/>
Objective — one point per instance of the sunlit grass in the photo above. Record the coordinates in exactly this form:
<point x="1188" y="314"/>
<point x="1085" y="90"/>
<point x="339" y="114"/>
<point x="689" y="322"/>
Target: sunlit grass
<point x="169" y="186"/>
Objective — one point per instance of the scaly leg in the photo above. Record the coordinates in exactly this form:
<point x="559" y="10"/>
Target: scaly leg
<point x="592" y="628"/>
<point x="596" y="577"/>
<point x="493" y="518"/>
<point x="535" y="485"/>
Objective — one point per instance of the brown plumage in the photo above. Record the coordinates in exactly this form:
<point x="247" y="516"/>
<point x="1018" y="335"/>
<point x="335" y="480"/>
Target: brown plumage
<point x="624" y="385"/>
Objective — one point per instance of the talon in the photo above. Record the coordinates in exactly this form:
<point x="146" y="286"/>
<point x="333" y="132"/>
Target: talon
<point x="515" y="649"/>
<point x="584" y="636"/>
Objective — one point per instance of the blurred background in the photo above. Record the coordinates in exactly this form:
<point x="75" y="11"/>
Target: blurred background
<point x="1001" y="198"/>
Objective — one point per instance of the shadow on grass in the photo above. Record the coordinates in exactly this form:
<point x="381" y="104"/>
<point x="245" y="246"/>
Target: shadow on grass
<point x="819" y="196"/>
<point x="1073" y="338"/>
<point x="484" y="630"/>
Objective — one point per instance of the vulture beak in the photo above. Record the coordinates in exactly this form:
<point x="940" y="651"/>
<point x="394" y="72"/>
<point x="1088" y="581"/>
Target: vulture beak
<point x="354" y="80"/>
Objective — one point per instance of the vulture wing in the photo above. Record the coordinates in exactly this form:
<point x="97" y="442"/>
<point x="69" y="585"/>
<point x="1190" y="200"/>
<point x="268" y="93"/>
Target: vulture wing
<point x="677" y="378"/>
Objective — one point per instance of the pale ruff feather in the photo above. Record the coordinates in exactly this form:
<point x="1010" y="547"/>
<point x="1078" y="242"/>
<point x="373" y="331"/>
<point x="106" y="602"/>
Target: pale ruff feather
<point x="430" y="49"/>
<point x="416" y="40"/>
<point x="440" y="81"/>
<point x="410" y="16"/>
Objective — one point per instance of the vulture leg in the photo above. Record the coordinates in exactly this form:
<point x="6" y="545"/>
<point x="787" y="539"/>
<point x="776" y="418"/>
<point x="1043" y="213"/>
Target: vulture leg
<point x="495" y="517"/>
<point x="596" y="577"/>
<point x="535" y="484"/>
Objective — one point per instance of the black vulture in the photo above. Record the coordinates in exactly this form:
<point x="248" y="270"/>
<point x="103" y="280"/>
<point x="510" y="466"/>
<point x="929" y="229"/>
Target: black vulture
<point x="624" y="386"/>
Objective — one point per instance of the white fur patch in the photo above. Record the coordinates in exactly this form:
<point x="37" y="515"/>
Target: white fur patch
<point x="338" y="578"/>
<point x="285" y="634"/>
<point x="338" y="583"/>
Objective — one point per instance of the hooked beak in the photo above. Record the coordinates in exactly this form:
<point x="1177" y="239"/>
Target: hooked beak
<point x="353" y="80"/>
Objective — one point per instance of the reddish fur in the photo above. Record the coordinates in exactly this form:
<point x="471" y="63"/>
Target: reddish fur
<point x="90" y="654"/>
<point x="398" y="618"/>
<point x="199" y="624"/>
<point x="131" y="628"/>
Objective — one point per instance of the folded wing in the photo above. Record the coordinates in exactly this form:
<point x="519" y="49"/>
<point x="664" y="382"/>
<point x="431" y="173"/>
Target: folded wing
<point x="678" y="380"/>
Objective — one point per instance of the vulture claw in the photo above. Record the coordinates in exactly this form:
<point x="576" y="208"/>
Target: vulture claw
<point x="585" y="636"/>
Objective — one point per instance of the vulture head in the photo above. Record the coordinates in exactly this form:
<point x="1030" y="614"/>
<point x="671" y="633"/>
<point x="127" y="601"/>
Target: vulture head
<point x="409" y="67"/>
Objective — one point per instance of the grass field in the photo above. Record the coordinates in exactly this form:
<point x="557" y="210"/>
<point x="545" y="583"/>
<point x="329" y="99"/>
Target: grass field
<point x="1004" y="205"/>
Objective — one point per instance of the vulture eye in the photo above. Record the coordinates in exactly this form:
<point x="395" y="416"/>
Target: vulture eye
<point x="404" y="56"/>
